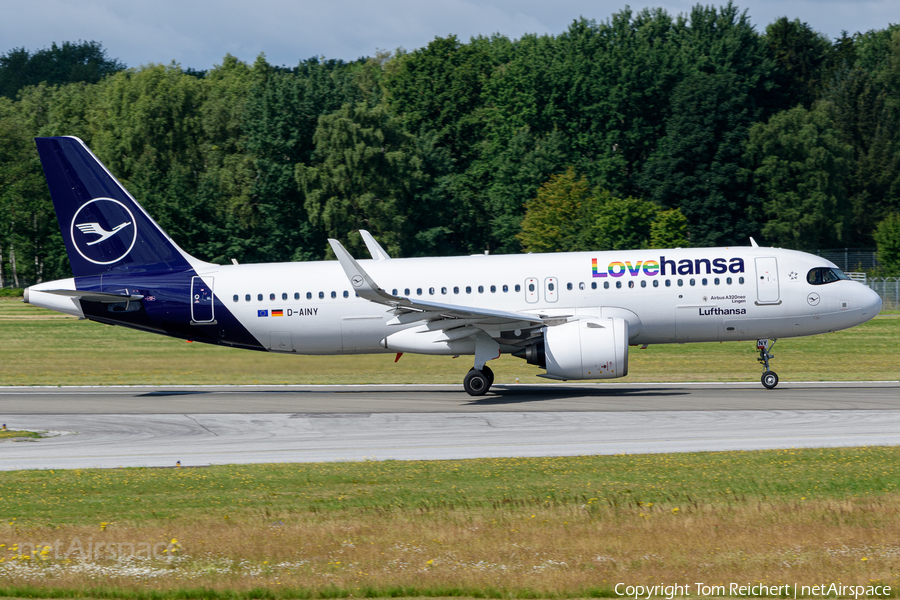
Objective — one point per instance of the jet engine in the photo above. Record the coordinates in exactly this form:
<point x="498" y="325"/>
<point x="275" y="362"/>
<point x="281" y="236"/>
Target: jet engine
<point x="585" y="349"/>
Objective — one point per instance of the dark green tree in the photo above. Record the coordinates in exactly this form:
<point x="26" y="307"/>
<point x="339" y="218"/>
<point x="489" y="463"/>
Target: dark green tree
<point x="800" y="171"/>
<point x="67" y="63"/>
<point x="800" y="56"/>
<point x="369" y="173"/>
<point x="887" y="236"/>
<point x="696" y="167"/>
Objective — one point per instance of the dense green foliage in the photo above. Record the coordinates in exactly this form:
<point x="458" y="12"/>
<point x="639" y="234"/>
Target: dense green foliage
<point x="691" y="130"/>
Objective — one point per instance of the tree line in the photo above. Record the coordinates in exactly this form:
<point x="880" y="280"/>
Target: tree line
<point x="643" y="129"/>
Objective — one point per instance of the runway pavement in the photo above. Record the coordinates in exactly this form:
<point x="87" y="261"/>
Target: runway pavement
<point x="157" y="426"/>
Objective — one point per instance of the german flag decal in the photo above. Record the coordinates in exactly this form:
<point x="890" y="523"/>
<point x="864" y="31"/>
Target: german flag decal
<point x="277" y="312"/>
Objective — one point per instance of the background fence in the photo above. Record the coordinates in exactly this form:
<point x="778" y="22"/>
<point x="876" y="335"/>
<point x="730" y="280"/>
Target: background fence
<point x="889" y="290"/>
<point x="851" y="259"/>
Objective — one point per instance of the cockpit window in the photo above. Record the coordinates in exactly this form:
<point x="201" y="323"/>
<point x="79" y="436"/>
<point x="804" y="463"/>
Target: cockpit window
<point x="823" y="275"/>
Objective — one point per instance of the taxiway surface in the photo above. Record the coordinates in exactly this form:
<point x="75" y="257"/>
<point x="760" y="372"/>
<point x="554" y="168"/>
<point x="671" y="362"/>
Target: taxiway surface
<point x="157" y="426"/>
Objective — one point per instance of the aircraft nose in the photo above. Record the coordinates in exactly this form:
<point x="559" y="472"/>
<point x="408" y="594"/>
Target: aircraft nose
<point x="871" y="303"/>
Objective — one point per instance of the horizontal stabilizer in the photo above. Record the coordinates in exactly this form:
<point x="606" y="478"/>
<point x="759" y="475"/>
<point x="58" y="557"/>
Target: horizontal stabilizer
<point x="95" y="296"/>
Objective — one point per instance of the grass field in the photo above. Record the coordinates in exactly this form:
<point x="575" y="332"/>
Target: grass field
<point x="39" y="347"/>
<point x="537" y="527"/>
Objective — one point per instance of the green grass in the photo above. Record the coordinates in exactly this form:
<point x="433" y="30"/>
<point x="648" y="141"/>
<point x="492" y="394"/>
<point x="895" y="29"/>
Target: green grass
<point x="18" y="434"/>
<point x="39" y="347"/>
<point x="88" y="497"/>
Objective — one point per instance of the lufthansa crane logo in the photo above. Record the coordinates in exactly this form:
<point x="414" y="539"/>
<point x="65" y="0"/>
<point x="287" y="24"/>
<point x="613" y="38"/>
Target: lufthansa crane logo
<point x="103" y="231"/>
<point x="357" y="280"/>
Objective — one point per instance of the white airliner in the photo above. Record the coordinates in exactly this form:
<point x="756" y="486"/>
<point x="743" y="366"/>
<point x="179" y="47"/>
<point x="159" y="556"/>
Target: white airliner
<point x="572" y="314"/>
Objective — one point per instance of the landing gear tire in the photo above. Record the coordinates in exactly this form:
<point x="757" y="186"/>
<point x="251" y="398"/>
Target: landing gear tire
<point x="490" y="375"/>
<point x="477" y="383"/>
<point x="769" y="380"/>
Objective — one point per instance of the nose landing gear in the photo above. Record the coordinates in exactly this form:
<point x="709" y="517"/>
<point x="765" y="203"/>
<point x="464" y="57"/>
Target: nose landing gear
<point x="769" y="378"/>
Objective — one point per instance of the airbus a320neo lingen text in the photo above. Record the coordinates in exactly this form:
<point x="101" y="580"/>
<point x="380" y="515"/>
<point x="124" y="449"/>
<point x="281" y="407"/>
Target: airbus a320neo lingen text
<point x="573" y="314"/>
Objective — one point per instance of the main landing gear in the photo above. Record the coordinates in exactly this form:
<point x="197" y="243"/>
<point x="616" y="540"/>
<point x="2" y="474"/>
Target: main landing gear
<point x="769" y="378"/>
<point x="478" y="382"/>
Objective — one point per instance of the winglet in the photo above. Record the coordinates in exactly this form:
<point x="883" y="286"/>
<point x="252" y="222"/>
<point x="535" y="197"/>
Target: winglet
<point x="374" y="247"/>
<point x="362" y="284"/>
<point x="753" y="243"/>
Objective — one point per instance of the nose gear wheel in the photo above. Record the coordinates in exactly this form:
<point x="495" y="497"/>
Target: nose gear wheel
<point x="769" y="378"/>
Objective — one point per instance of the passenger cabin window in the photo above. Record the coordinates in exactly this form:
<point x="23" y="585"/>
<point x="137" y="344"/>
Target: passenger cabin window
<point x="716" y="281"/>
<point x="259" y="297"/>
<point x="643" y="283"/>
<point x="431" y="291"/>
<point x="419" y="291"/>
<point x="741" y="280"/>
<point x="530" y="287"/>
<point x="605" y="285"/>
<point x="668" y="283"/>
<point x="271" y="296"/>
<point x="823" y="275"/>
<point x="394" y="292"/>
<point x="296" y="295"/>
<point x="284" y="295"/>
<point x="455" y="289"/>
<point x="406" y="292"/>
<point x="321" y="295"/>
<point x="656" y="283"/>
<point x="493" y="289"/>
<point x="247" y="297"/>
<point x="480" y="289"/>
<point x="618" y="285"/>
<point x="728" y="280"/>
<point x="568" y="286"/>
<point x="443" y="290"/>
<point x="505" y="288"/>
<point x="309" y="295"/>
<point x="333" y="295"/>
<point x="518" y="288"/>
<point x="581" y="286"/>
<point x="346" y="294"/>
<point x="236" y="298"/>
<point x="593" y="285"/>
<point x="631" y="283"/>
<point x="468" y="289"/>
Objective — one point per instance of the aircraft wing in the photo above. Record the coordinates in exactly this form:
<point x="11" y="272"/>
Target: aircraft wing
<point x="366" y="288"/>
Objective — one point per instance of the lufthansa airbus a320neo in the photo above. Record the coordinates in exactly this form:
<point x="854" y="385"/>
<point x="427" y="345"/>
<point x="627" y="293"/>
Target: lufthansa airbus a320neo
<point x="573" y="314"/>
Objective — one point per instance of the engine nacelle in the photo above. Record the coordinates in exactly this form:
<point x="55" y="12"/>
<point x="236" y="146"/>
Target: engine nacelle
<point x="586" y="349"/>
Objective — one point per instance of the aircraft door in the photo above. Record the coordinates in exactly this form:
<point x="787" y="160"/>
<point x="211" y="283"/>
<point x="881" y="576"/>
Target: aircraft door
<point x="202" y="300"/>
<point x="551" y="289"/>
<point x="767" y="291"/>
<point x="531" y="290"/>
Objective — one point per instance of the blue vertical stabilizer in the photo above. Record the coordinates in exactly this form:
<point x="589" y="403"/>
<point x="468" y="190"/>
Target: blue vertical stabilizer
<point x="104" y="228"/>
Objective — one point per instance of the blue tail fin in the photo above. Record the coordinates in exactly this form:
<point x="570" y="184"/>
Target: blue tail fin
<point x="104" y="228"/>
